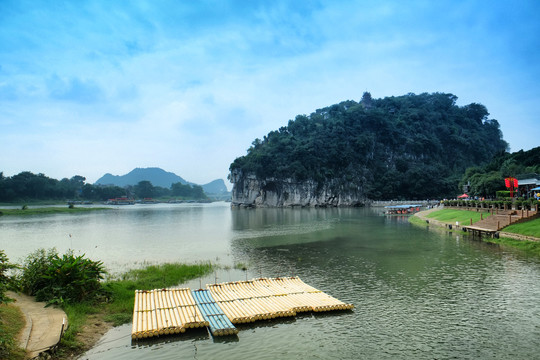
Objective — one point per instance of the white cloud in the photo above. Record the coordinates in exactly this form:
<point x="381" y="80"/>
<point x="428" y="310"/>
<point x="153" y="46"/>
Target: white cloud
<point x="117" y="87"/>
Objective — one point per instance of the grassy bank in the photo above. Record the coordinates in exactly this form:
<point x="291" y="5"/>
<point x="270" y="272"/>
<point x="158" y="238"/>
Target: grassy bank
<point x="48" y="210"/>
<point x="119" y="310"/>
<point x="11" y="323"/>
<point x="529" y="228"/>
<point x="450" y="216"/>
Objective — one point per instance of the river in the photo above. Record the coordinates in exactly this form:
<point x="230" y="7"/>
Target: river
<point x="419" y="293"/>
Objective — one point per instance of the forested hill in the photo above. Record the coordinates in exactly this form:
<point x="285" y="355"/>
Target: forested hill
<point x="404" y="147"/>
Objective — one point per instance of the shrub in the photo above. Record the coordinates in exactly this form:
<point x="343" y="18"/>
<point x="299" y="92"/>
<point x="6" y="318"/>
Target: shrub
<point x="35" y="265"/>
<point x="502" y="194"/>
<point x="68" y="278"/>
<point x="4" y="279"/>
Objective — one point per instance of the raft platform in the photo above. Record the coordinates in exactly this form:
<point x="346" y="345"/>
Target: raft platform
<point x="220" y="306"/>
<point x="164" y="311"/>
<point x="219" y="324"/>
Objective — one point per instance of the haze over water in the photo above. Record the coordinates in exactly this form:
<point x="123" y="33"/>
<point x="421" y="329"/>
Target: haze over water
<point x="418" y="293"/>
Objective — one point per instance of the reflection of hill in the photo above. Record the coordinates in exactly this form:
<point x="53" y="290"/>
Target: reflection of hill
<point x="356" y="251"/>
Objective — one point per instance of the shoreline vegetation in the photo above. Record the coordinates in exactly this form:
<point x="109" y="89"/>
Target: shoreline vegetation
<point x="445" y="217"/>
<point x="25" y="210"/>
<point x="89" y="320"/>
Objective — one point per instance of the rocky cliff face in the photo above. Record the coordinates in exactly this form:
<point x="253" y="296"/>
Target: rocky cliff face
<point x="248" y="191"/>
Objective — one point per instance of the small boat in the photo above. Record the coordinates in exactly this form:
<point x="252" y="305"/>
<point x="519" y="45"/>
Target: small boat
<point x="120" y="201"/>
<point x="402" y="209"/>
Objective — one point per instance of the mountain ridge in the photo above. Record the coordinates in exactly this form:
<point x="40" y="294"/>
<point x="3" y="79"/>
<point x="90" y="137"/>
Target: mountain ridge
<point x="158" y="177"/>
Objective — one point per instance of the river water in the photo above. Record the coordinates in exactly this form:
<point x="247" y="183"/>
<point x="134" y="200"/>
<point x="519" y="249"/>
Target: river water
<point x="419" y="293"/>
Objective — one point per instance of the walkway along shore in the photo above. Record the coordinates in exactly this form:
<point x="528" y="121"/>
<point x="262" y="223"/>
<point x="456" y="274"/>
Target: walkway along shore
<point x="493" y="222"/>
<point x="44" y="325"/>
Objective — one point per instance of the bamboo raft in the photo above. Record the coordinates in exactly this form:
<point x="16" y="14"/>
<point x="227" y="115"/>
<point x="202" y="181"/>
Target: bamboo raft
<point x="172" y="311"/>
<point x="163" y="312"/>
<point x="270" y="298"/>
<point x="219" y="323"/>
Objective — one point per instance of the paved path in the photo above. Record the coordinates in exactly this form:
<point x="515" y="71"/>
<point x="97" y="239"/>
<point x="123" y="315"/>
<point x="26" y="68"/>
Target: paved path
<point x="43" y="324"/>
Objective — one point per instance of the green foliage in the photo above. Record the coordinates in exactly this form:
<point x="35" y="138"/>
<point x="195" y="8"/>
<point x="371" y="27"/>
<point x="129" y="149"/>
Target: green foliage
<point x="11" y="323"/>
<point x="188" y="191"/>
<point x="120" y="309"/>
<point x="28" y="186"/>
<point x="450" y="216"/>
<point x="502" y="194"/>
<point x="58" y="279"/>
<point x="406" y="147"/>
<point x="50" y="210"/>
<point x="5" y="281"/>
<point x="528" y="228"/>
<point x="488" y="180"/>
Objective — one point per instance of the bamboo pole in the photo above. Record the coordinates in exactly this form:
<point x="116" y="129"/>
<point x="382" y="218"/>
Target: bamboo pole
<point x="144" y="328"/>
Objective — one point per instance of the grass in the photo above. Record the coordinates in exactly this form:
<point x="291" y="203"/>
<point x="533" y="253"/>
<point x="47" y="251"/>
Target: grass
<point x="11" y="323"/>
<point x="529" y="247"/>
<point x="528" y="228"/>
<point x="48" y="210"/>
<point x="450" y="216"/>
<point x="119" y="309"/>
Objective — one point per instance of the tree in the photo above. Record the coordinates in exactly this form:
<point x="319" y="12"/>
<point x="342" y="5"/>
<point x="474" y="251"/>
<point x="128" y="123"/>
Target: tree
<point x="144" y="189"/>
<point x="413" y="145"/>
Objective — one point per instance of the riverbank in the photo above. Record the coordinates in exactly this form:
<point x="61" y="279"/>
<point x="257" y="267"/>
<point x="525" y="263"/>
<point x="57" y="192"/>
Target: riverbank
<point x="25" y="210"/>
<point x="524" y="236"/>
<point x="88" y="322"/>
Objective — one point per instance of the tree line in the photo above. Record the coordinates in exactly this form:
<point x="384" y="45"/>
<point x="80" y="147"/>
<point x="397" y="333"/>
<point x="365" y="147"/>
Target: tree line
<point x="485" y="181"/>
<point x="27" y="186"/>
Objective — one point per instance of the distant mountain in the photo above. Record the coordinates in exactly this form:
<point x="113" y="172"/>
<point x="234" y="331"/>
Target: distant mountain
<point x="158" y="177"/>
<point x="216" y="187"/>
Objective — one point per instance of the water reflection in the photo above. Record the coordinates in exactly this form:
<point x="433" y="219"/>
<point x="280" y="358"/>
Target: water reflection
<point x="419" y="292"/>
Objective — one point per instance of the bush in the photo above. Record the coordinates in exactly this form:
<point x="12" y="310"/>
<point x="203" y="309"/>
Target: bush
<point x="502" y="194"/>
<point x="5" y="281"/>
<point x="35" y="265"/>
<point x="68" y="278"/>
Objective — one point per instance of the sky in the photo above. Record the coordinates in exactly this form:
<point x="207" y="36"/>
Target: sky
<point x="95" y="87"/>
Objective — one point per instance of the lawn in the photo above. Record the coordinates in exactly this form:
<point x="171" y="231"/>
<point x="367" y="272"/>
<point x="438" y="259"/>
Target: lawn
<point x="529" y="228"/>
<point x="450" y="216"/>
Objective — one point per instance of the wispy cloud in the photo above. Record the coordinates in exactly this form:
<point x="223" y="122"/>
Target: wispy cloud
<point x="101" y="86"/>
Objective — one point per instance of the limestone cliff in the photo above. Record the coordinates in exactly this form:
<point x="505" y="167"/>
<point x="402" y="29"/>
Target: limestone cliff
<point x="249" y="191"/>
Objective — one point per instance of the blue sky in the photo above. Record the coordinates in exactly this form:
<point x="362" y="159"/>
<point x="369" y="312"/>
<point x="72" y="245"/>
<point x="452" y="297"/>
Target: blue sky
<point x="90" y="87"/>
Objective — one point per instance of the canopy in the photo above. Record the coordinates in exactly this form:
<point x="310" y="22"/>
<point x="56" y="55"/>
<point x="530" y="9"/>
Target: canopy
<point x="463" y="196"/>
<point x="536" y="188"/>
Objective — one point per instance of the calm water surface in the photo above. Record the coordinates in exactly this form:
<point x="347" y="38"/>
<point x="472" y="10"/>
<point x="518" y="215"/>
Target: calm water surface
<point x="419" y="293"/>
